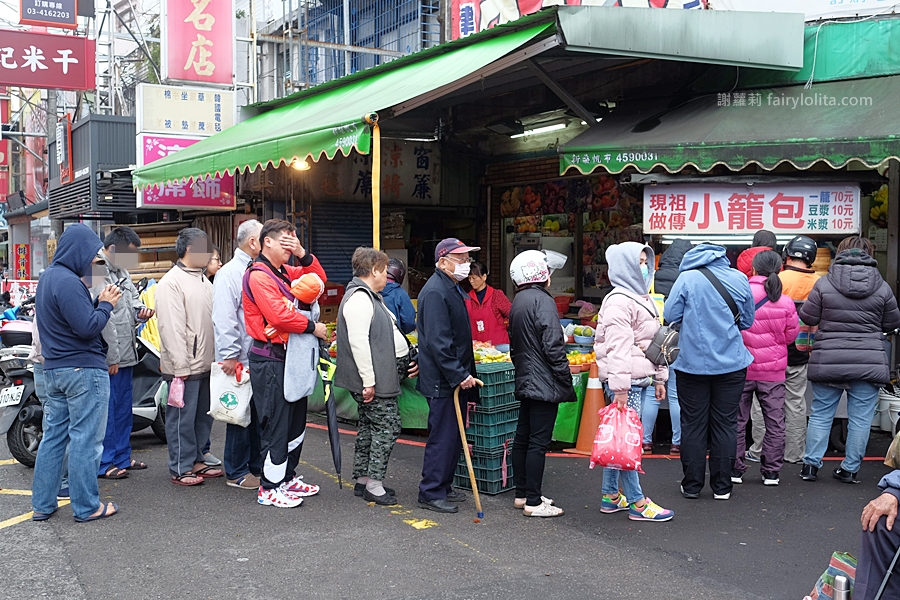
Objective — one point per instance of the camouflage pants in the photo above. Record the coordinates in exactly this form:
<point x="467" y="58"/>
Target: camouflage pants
<point x="378" y="429"/>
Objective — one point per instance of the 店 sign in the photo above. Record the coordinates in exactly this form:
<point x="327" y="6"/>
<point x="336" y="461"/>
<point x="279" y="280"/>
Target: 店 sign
<point x="170" y="109"/>
<point x="811" y="208"/>
<point x="44" y="61"/>
<point x="210" y="193"/>
<point x="49" y="13"/>
<point x="198" y="41"/>
<point x="22" y="258"/>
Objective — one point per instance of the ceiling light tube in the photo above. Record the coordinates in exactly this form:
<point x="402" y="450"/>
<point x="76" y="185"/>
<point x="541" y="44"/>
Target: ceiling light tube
<point x="538" y="130"/>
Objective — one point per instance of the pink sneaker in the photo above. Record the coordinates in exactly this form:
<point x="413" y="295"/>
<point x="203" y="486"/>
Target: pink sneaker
<point x="277" y="497"/>
<point x="297" y="487"/>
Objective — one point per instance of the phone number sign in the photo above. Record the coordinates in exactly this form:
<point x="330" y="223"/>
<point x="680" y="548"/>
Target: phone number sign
<point x="830" y="209"/>
<point x="49" y="13"/>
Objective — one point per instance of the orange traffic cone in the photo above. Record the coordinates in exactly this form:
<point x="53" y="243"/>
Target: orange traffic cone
<point x="594" y="400"/>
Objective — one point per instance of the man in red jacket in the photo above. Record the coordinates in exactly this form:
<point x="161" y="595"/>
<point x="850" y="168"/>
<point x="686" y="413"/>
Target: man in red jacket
<point x="282" y="424"/>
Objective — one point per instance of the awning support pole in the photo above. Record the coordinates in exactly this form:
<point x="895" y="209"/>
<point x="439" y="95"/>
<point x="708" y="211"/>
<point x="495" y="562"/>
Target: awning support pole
<point x="562" y="94"/>
<point x="893" y="249"/>
<point x="372" y="119"/>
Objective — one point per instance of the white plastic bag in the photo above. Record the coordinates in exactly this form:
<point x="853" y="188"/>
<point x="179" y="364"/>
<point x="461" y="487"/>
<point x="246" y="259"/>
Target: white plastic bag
<point x="229" y="395"/>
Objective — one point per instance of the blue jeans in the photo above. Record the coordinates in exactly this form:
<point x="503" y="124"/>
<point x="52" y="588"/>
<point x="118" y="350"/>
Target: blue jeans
<point x="242" y="448"/>
<point x="78" y="403"/>
<point x="650" y="409"/>
<point x="629" y="480"/>
<point x="862" y="398"/>
<point x="117" y="442"/>
<point x="41" y="392"/>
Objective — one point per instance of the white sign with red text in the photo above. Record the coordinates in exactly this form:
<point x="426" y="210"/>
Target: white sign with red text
<point x="808" y="208"/>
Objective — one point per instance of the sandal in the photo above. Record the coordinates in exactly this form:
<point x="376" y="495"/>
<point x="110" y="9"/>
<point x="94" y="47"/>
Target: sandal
<point x="104" y="513"/>
<point x="114" y="473"/>
<point x="36" y="516"/>
<point x="519" y="503"/>
<point x="137" y="465"/>
<point x="208" y="473"/>
<point x="186" y="479"/>
<point x="544" y="510"/>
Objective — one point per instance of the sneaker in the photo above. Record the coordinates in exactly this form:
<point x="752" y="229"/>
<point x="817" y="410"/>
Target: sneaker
<point x="808" y="473"/>
<point x="277" y="497"/>
<point x="751" y="457"/>
<point x="770" y="478"/>
<point x="63" y="494"/>
<point x="736" y="477"/>
<point x="650" y="512"/>
<point x="520" y="502"/>
<point x="722" y="496"/>
<point x="544" y="510"/>
<point x="689" y="495"/>
<point x="845" y="476"/>
<point x="608" y="506"/>
<point x="298" y="487"/>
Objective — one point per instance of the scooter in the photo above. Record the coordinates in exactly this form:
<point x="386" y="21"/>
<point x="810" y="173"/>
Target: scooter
<point x="21" y="414"/>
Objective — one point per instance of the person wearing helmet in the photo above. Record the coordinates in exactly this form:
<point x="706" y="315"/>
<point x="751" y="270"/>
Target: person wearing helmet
<point x="797" y="280"/>
<point x="543" y="379"/>
<point x="488" y="308"/>
<point x="396" y="299"/>
<point x="446" y="361"/>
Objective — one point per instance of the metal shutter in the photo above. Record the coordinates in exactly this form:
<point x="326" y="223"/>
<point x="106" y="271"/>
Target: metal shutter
<point x="338" y="229"/>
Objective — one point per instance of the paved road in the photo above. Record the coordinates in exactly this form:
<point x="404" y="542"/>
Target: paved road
<point x="213" y="541"/>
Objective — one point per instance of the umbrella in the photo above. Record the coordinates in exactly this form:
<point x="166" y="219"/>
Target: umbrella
<point x="326" y="370"/>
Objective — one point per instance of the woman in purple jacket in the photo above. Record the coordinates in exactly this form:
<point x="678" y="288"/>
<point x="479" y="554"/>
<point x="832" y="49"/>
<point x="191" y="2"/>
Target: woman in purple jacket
<point x="775" y="326"/>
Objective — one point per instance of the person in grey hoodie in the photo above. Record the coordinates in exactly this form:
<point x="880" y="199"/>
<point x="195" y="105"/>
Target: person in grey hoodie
<point x="120" y="253"/>
<point x="626" y="324"/>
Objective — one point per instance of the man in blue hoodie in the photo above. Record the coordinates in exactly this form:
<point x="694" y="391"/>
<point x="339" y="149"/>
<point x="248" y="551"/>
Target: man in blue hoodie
<point x="75" y="377"/>
<point x="396" y="299"/>
<point x="712" y="364"/>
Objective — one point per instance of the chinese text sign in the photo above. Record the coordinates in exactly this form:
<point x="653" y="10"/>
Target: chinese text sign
<point x="4" y="148"/>
<point x="170" y="109"/>
<point x="45" y="61"/>
<point x="22" y="258"/>
<point x="49" y="13"/>
<point x="198" y="41"/>
<point x="811" y="208"/>
<point x="210" y="193"/>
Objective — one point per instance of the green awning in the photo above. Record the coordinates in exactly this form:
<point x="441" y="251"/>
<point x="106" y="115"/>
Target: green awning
<point x="834" y="123"/>
<point x="330" y="118"/>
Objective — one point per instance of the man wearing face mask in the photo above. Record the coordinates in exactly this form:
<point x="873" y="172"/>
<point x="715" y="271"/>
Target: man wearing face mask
<point x="446" y="360"/>
<point x="119" y="252"/>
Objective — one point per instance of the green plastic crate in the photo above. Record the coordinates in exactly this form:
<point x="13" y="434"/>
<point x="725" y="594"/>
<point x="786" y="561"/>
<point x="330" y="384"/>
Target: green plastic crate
<point x="497" y="389"/>
<point x="492" y="404"/>
<point x="488" y="472"/>
<point x="493" y="373"/>
<point x="491" y="437"/>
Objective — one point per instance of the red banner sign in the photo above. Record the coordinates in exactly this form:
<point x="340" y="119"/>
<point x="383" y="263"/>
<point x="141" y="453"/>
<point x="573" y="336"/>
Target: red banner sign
<point x="198" y="41"/>
<point x="45" y="61"/>
<point x="22" y="258"/>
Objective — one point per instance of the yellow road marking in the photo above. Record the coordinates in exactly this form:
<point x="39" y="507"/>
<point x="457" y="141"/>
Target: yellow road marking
<point x="332" y="476"/>
<point x="476" y="550"/>
<point x="421" y="523"/>
<point x="16" y="492"/>
<point x="26" y="517"/>
<point x="8" y="461"/>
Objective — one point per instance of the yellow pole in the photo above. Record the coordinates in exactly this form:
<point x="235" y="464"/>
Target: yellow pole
<point x="372" y="119"/>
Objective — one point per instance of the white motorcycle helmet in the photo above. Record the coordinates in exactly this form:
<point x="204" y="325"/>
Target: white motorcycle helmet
<point x="530" y="266"/>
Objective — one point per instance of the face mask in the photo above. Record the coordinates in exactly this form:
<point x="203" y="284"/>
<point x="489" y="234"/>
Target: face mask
<point x="461" y="271"/>
<point x="645" y="271"/>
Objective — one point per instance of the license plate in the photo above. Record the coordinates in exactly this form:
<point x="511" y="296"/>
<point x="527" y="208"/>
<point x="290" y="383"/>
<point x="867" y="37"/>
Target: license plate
<point x="10" y="396"/>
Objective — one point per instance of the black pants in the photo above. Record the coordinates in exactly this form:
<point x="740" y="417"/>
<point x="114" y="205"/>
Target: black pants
<point x="876" y="551"/>
<point x="282" y="424"/>
<point x="533" y="435"/>
<point x="709" y="412"/>
<point x="441" y="450"/>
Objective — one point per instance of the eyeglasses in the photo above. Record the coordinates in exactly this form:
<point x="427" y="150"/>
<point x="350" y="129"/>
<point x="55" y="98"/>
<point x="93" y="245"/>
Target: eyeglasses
<point x="460" y="262"/>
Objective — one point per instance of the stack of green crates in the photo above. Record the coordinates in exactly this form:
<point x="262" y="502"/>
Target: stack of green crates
<point x="490" y="431"/>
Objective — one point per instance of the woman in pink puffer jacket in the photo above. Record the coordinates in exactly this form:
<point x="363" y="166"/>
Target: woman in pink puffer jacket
<point x="775" y="326"/>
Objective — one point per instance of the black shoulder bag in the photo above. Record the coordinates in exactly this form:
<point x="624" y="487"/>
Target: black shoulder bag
<point x="724" y="293"/>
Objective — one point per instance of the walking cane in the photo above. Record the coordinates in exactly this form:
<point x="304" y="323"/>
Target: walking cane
<point x="465" y="445"/>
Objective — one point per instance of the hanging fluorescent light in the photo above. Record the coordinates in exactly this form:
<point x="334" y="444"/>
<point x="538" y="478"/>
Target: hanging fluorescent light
<point x="598" y="119"/>
<point x="539" y="130"/>
<point x="300" y="165"/>
<point x="723" y="239"/>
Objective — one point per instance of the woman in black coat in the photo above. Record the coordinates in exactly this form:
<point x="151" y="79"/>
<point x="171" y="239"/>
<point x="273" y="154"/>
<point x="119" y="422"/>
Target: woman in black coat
<point x="543" y="379"/>
<point x="852" y="307"/>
